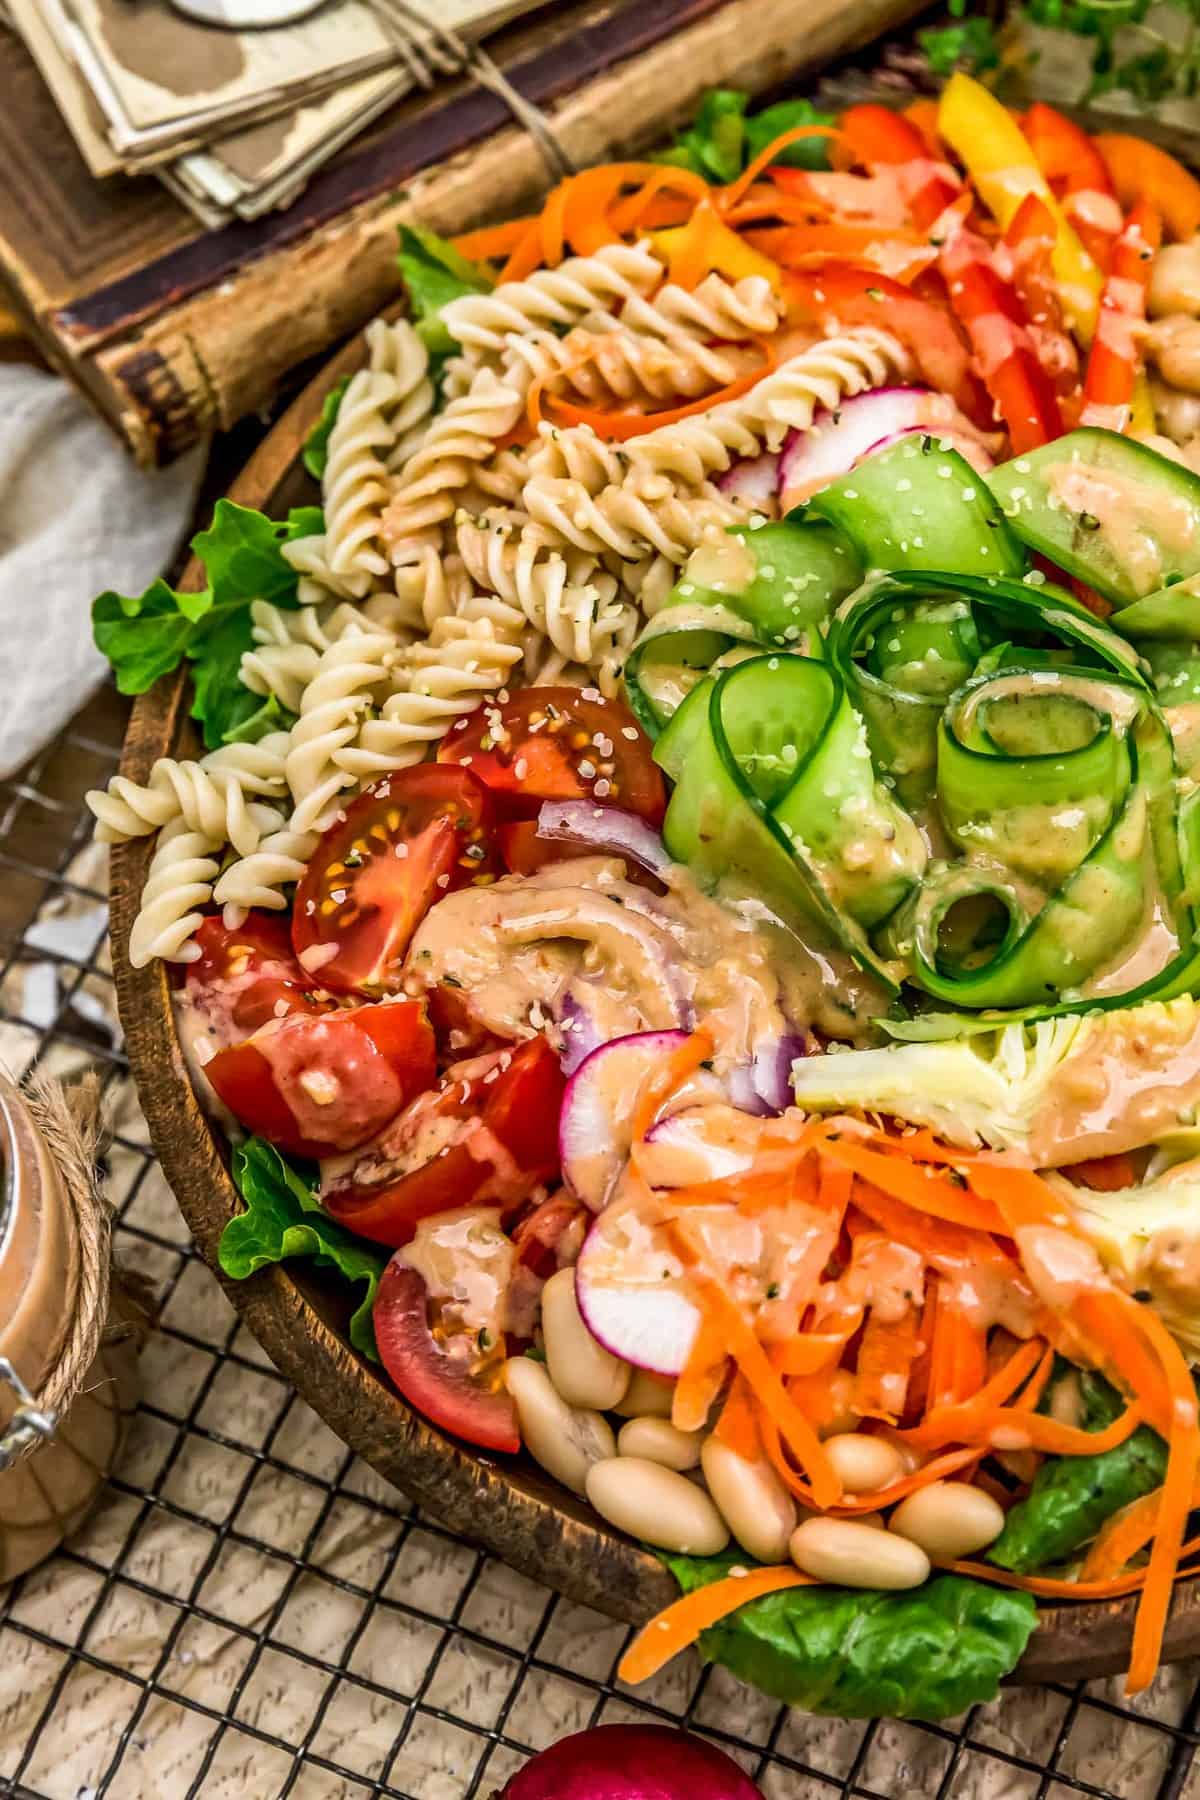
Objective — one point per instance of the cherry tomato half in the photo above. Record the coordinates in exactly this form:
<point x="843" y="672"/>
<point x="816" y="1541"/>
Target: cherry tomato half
<point x="406" y="841"/>
<point x="439" y="1378"/>
<point x="316" y="1086"/>
<point x="249" y="974"/>
<point x="488" y="1132"/>
<point x="550" y="743"/>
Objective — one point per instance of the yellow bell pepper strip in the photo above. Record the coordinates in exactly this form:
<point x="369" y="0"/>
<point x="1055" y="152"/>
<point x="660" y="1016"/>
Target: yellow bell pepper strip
<point x="1113" y="365"/>
<point x="1003" y="169"/>
<point x="1141" y="171"/>
<point x="706" y="244"/>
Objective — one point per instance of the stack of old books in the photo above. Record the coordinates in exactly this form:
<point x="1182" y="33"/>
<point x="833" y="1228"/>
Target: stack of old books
<point x="235" y="121"/>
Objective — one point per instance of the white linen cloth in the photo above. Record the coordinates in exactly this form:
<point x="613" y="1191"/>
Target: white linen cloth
<point x="76" y="517"/>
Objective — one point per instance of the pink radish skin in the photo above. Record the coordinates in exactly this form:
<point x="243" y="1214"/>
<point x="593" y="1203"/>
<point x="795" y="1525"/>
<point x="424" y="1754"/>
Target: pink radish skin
<point x="595" y="1128"/>
<point x="652" y="1322"/>
<point x="630" y="1762"/>
<point x="836" y="441"/>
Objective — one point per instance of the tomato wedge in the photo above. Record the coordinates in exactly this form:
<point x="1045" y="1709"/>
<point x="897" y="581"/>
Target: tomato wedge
<point x="488" y="1132"/>
<point x="246" y="975"/>
<point x="558" y="743"/>
<point x="318" y="1085"/>
<point x="440" y="1378"/>
<point x="407" y="840"/>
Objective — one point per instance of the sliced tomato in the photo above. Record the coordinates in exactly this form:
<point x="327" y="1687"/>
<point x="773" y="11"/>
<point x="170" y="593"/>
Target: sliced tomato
<point x="315" y="1086"/>
<point x="248" y="974"/>
<point x="374" y="875"/>
<point x="523" y="852"/>
<point x="557" y="743"/>
<point x="458" y="1031"/>
<point x="445" y="1379"/>
<point x="488" y="1132"/>
<point x="538" y="1234"/>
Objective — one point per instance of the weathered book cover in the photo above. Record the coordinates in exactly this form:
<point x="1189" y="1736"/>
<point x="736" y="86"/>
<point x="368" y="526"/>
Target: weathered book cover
<point x="174" y="331"/>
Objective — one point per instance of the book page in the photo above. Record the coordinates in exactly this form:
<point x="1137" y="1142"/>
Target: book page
<point x="163" y="69"/>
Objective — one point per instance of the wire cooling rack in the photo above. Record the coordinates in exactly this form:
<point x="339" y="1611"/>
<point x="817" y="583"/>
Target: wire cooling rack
<point x="252" y="1612"/>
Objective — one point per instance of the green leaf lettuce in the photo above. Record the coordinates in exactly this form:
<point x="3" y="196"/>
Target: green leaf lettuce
<point x="283" y="1218"/>
<point x="927" y="1653"/>
<point x="434" y="274"/>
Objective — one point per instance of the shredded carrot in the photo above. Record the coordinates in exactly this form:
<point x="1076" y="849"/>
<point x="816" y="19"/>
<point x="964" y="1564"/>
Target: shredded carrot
<point x="995" y="1391"/>
<point x="620" y="425"/>
<point x="678" y="1627"/>
<point x="885" y="1358"/>
<point x="898" y="252"/>
<point x="939" y="1468"/>
<point x="721" y="1313"/>
<point x="924" y="115"/>
<point x="736" y="1426"/>
<point x="553" y="214"/>
<point x="658" y="179"/>
<point x="668" y="1079"/>
<point x="701" y="1376"/>
<point x="958" y="1366"/>
<point x="729" y="196"/>
<point x="1122" y="1537"/>
<point x="525" y="254"/>
<point x="915" y="1183"/>
<point x="493" y="241"/>
<point x="1182" y="1457"/>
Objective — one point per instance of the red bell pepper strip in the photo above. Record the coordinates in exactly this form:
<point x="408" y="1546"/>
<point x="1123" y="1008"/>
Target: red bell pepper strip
<point x="996" y="324"/>
<point x="876" y="135"/>
<point x="1078" y="176"/>
<point x="1029" y="240"/>
<point x="1114" y="359"/>
<point x="840" y="295"/>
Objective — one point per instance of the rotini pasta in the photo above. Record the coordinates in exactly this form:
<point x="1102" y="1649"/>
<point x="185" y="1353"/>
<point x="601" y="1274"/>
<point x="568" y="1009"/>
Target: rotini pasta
<point x="482" y="323"/>
<point x="441" y="678"/>
<point x="180" y="882"/>
<point x="260" y="878"/>
<point x="629" y="520"/>
<point x="211" y="796"/>
<point x="331" y="709"/>
<point x="395" y="350"/>
<point x="288" y="644"/>
<point x="459" y="440"/>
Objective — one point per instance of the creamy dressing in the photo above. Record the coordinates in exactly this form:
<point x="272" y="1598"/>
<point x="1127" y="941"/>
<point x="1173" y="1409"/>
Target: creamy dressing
<point x="467" y="1264"/>
<point x="1135" y="1076"/>
<point x="1135" y="520"/>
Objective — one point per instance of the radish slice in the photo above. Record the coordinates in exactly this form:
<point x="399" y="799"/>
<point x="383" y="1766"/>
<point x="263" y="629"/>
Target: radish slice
<point x="704" y="1143"/>
<point x="607" y="828"/>
<point x="595" y="1129"/>
<point x="632" y="1291"/>
<point x="835" y="441"/>
<point x="754" y="479"/>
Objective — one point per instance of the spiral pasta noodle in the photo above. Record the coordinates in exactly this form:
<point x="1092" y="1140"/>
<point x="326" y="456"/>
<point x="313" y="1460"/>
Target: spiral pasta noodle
<point x="441" y="678"/>
<point x="356" y="485"/>
<point x="616" y="273"/>
<point x="288" y="644"/>
<point x="211" y="796"/>
<point x="331" y="709"/>
<point x="459" y="440"/>
<point x="577" y="454"/>
<point x="629" y="520"/>
<point x="610" y="363"/>
<point x="180" y="882"/>
<point x="785" y="400"/>
<point x="260" y="878"/>
<point x="698" y="325"/>
<point x="394" y="350"/>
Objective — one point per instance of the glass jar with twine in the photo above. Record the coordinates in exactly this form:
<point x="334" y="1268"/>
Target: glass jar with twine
<point x="69" y="1330"/>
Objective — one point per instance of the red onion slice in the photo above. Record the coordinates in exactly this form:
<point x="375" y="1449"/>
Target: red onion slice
<point x="972" y="449"/>
<point x="754" y="479"/>
<point x="607" y="828"/>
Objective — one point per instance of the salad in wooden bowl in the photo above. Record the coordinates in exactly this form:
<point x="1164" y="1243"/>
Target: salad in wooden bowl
<point x="682" y="936"/>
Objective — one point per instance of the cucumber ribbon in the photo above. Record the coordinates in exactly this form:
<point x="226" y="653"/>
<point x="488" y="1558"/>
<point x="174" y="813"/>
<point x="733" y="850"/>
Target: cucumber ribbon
<point x="971" y="789"/>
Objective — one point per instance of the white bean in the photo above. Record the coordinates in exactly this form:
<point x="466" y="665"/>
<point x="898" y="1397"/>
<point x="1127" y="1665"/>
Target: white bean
<point x="949" y="1519"/>
<point x="656" y="1505"/>
<point x="1174" y="344"/>
<point x="851" y="1554"/>
<point x="647" y="1397"/>
<point x="583" y="1371"/>
<point x="566" y="1440"/>
<point x="753" y="1501"/>
<point x="1176" y="414"/>
<point x="1175" y="281"/>
<point x="657" y="1440"/>
<point x="863" y="1463"/>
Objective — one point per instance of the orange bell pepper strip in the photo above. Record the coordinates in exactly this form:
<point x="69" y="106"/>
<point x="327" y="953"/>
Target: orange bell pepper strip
<point x="996" y="323"/>
<point x="1141" y="171"/>
<point x="901" y="254"/>
<point x="879" y="136"/>
<point x="1114" y="360"/>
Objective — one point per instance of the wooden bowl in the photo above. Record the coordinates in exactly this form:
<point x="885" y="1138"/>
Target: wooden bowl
<point x="506" y="1504"/>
